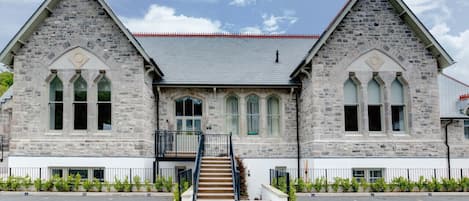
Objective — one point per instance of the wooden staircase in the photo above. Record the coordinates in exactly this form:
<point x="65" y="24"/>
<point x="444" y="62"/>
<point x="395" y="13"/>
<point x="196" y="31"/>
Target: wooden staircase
<point x="216" y="179"/>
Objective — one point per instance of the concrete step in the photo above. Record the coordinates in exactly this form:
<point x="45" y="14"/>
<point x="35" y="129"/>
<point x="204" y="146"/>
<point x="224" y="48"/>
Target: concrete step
<point x="215" y="190"/>
<point x="215" y="179"/>
<point x="217" y="184"/>
<point x="214" y="196"/>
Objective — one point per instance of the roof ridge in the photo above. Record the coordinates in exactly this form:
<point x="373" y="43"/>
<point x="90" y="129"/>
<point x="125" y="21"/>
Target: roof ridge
<point x="227" y="35"/>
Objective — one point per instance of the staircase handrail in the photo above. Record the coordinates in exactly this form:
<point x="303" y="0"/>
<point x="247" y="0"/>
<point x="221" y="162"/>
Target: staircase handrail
<point x="234" y="171"/>
<point x="198" y="161"/>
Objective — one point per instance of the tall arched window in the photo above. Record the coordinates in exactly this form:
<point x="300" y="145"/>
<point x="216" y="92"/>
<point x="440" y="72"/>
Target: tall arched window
<point x="397" y="106"/>
<point x="273" y="116"/>
<point x="80" y="105"/>
<point x="56" y="104"/>
<point x="351" y="105"/>
<point x="104" y="104"/>
<point x="232" y="115"/>
<point x="252" y="104"/>
<point x="189" y="114"/>
<point x="374" y="106"/>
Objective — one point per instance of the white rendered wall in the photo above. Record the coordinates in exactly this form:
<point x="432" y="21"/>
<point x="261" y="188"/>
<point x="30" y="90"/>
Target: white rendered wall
<point x="375" y="163"/>
<point x="104" y="162"/>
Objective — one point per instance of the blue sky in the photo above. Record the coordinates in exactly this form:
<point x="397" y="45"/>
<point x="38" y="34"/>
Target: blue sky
<point x="446" y="19"/>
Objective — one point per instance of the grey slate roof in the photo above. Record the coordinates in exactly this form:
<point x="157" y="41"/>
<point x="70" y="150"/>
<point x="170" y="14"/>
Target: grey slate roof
<point x="450" y="90"/>
<point x="226" y="59"/>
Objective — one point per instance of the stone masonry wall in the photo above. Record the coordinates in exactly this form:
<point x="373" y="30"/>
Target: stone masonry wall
<point x="214" y="104"/>
<point x="81" y="24"/>
<point x="371" y="25"/>
<point x="459" y="145"/>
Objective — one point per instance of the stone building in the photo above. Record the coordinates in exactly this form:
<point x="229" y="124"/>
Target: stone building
<point x="365" y="95"/>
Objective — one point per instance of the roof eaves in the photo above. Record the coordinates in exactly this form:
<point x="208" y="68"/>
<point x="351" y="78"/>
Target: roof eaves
<point x="454" y="79"/>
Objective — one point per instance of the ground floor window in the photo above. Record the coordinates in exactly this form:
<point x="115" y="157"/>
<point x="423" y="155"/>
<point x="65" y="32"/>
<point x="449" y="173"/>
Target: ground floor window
<point x="85" y="173"/>
<point x="367" y="174"/>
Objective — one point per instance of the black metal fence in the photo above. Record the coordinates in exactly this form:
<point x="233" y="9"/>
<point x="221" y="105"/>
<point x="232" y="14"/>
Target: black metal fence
<point x="412" y="174"/>
<point x="280" y="180"/>
<point x="176" y="144"/>
<point x="184" y="181"/>
<point x="105" y="174"/>
<point x="1" y="148"/>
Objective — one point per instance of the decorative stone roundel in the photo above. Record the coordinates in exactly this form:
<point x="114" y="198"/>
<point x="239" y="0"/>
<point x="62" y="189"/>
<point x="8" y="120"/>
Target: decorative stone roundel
<point x="375" y="62"/>
<point x="78" y="59"/>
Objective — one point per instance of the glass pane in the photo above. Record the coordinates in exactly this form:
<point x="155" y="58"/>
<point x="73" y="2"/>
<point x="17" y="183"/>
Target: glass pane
<point x="56" y="116"/>
<point x="466" y="128"/>
<point x="104" y="90"/>
<point x="253" y="114"/>
<point x="374" y="118"/>
<point x="273" y="107"/>
<point x="188" y="107"/>
<point x="232" y="105"/>
<point x="397" y="93"/>
<point x="98" y="174"/>
<point x="81" y="114"/>
<point x="350" y="92"/>
<point x="58" y="172"/>
<point x="179" y="125"/>
<point x="351" y="118"/>
<point x="56" y="90"/>
<point x="397" y="118"/>
<point x="179" y="107"/>
<point x="83" y="173"/>
<point x="374" y="92"/>
<point x="104" y="116"/>
<point x="197" y="107"/>
<point x="80" y="88"/>
<point x="197" y="124"/>
<point x="189" y="125"/>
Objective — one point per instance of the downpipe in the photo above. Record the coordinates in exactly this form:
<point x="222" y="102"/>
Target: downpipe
<point x="448" y="151"/>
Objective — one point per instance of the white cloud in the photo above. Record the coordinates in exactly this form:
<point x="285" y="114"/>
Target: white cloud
<point x="272" y="23"/>
<point x="440" y="14"/>
<point x="164" y="19"/>
<point x="251" y="30"/>
<point x="242" y="3"/>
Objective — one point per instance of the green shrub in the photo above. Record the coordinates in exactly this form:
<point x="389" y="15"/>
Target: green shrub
<point x="433" y="185"/>
<point x="420" y="184"/>
<point x="147" y="185"/>
<point x="346" y="185"/>
<point x="2" y="185"/>
<point x="108" y="186"/>
<point x="464" y="183"/>
<point x="336" y="185"/>
<point x="127" y="185"/>
<point x="77" y="182"/>
<point x="118" y="185"/>
<point x="379" y="185"/>
<point x="292" y="193"/>
<point x="98" y="185"/>
<point x="60" y="184"/>
<point x="159" y="184"/>
<point x="168" y="184"/>
<point x="87" y="185"/>
<point x="300" y="185"/>
<point x="450" y="185"/>
<point x="15" y="184"/>
<point x="364" y="184"/>
<point x="309" y="187"/>
<point x="49" y="185"/>
<point x="355" y="185"/>
<point x="38" y="184"/>
<point x="137" y="182"/>
<point x="27" y="182"/>
<point x="318" y="184"/>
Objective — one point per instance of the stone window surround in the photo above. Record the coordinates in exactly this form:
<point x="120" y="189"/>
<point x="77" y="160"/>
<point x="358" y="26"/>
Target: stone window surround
<point x="92" y="77"/>
<point x="386" y="106"/>
<point x="242" y="113"/>
<point x="359" y="95"/>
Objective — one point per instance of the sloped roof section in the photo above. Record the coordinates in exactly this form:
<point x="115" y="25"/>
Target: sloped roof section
<point x="6" y="96"/>
<point x="44" y="10"/>
<point x="443" y="58"/>
<point x="450" y="91"/>
<point x="226" y="59"/>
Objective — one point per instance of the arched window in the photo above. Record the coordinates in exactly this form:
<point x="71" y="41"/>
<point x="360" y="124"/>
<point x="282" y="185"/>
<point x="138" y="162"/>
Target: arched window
<point x="273" y="116"/>
<point x="374" y="106"/>
<point x="80" y="105"/>
<point x="351" y="105"/>
<point x="252" y="104"/>
<point x="189" y="114"/>
<point x="104" y="104"/>
<point x="56" y="104"/>
<point x="232" y="115"/>
<point x="397" y="106"/>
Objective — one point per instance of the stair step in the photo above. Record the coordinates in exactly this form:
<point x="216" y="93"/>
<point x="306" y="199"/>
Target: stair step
<point x="215" y="190"/>
<point x="215" y="174"/>
<point x="216" y="179"/>
<point x="213" y="170"/>
<point x="215" y="158"/>
<point x="216" y="162"/>
<point x="217" y="196"/>
<point x="217" y="184"/>
<point x="216" y="165"/>
<point x="216" y="199"/>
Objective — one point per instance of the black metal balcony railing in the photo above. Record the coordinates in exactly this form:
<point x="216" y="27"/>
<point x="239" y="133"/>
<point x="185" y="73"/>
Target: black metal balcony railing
<point x="174" y="145"/>
<point x="1" y="148"/>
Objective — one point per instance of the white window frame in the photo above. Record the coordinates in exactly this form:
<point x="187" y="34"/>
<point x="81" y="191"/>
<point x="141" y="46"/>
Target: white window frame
<point x="367" y="174"/>
<point x="230" y="116"/>
<point x="271" y="117"/>
<point x="253" y="115"/>
<point x="185" y="118"/>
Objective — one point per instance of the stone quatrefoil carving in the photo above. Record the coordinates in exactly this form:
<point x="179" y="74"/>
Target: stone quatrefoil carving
<point x="375" y="62"/>
<point x="78" y="59"/>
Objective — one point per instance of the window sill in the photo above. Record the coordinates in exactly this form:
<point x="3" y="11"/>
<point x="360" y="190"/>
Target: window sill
<point x="400" y="134"/>
<point x="79" y="133"/>
<point x="378" y="134"/>
<point x="103" y="133"/>
<point x="353" y="134"/>
<point x="53" y="133"/>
